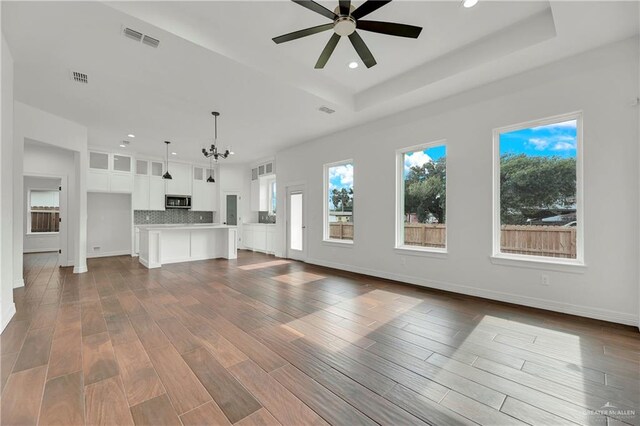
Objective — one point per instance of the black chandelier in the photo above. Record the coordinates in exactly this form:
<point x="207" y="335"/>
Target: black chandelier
<point x="213" y="151"/>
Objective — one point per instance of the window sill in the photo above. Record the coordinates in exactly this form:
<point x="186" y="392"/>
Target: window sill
<point x="438" y="253"/>
<point x="338" y="243"/>
<point x="42" y="233"/>
<point x="545" y="263"/>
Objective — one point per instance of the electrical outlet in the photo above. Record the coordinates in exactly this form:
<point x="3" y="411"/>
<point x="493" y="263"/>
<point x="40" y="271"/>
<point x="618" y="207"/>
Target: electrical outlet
<point x="96" y="248"/>
<point x="544" y="279"/>
<point x="403" y="261"/>
<point x="147" y="217"/>
<point x="200" y="217"/>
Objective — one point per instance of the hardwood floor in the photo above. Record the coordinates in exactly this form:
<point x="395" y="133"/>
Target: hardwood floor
<point x="270" y="341"/>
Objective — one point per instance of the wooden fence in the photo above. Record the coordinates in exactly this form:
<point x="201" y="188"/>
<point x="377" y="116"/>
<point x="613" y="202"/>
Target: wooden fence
<point x="45" y="221"/>
<point x="425" y="234"/>
<point x="550" y="241"/>
<point x="341" y="231"/>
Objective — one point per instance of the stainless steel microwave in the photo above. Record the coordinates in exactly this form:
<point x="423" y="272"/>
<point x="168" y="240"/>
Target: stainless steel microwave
<point x="177" y="201"/>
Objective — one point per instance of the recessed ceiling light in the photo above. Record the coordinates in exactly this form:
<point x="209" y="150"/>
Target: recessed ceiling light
<point x="469" y="3"/>
<point x="354" y="64"/>
<point x="174" y="153"/>
<point x="231" y="153"/>
<point x="122" y="145"/>
<point x="131" y="135"/>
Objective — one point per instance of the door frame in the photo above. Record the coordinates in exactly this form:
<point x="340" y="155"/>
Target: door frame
<point x="63" y="232"/>
<point x="294" y="189"/>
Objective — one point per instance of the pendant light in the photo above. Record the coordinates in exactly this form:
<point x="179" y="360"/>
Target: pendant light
<point x="167" y="175"/>
<point x="213" y="151"/>
<point x="210" y="179"/>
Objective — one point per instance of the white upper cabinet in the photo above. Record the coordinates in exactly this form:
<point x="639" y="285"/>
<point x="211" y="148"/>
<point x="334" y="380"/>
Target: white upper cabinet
<point x="181" y="181"/>
<point x="204" y="197"/>
<point x="110" y="173"/>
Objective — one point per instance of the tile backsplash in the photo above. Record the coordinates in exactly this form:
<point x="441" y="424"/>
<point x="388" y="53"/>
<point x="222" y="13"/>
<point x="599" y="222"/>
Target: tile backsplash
<point x="145" y="217"/>
<point x="265" y="217"/>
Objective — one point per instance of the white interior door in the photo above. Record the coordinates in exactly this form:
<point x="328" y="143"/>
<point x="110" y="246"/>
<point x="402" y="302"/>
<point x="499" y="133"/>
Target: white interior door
<point x="296" y="227"/>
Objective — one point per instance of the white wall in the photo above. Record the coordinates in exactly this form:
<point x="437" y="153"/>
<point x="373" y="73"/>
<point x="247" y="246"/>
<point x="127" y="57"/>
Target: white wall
<point x="33" y="243"/>
<point x="7" y="307"/>
<point x="108" y="224"/>
<point x="34" y="124"/>
<point x="602" y="83"/>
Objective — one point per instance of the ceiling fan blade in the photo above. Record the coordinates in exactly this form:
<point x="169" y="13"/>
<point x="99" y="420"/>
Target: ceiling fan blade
<point x="311" y="5"/>
<point x="327" y="51"/>
<point x="302" y="33"/>
<point x="368" y="7"/>
<point x="345" y="7"/>
<point x="390" y="28"/>
<point x="362" y="49"/>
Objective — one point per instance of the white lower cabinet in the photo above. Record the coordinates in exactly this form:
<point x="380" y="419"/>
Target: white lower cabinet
<point x="259" y="237"/>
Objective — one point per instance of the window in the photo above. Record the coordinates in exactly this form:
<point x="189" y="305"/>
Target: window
<point x="537" y="198"/>
<point x="44" y="211"/>
<point x="422" y="197"/>
<point x="338" y="203"/>
<point x="272" y="197"/>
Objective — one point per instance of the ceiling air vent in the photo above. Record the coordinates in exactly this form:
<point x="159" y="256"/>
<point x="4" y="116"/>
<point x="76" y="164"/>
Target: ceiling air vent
<point x="150" y="41"/>
<point x="138" y="36"/>
<point x="79" y="77"/>
<point x="326" y="110"/>
<point x="132" y="34"/>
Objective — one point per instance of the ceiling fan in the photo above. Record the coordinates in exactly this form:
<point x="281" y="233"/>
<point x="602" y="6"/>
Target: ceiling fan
<point x="346" y="19"/>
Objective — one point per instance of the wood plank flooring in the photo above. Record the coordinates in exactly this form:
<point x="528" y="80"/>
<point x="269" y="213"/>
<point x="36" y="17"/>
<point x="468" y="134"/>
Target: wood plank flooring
<point x="269" y="341"/>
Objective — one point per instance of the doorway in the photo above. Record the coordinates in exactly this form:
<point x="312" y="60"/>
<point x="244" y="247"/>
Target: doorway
<point x="45" y="202"/>
<point x="232" y="210"/>
<point x="296" y="223"/>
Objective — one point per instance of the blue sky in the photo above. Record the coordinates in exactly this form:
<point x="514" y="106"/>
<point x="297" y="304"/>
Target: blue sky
<point x="418" y="158"/>
<point x="558" y="139"/>
<point x="341" y="177"/>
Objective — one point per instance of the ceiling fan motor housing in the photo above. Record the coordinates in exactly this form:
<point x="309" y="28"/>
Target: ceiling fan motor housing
<point x="344" y="26"/>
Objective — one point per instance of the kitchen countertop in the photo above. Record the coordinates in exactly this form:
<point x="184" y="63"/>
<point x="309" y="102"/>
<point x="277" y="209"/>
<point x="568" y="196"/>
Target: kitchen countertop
<point x="185" y="226"/>
<point x="256" y="223"/>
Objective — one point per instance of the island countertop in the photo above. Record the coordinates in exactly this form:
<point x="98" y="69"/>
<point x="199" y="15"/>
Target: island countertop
<point x="183" y="226"/>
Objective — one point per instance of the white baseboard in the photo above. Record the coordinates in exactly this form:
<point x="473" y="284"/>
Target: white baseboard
<point x="18" y="283"/>
<point x="550" y="305"/>
<point x="109" y="254"/>
<point x="6" y="316"/>
<point x="80" y="270"/>
<point x="39" y="250"/>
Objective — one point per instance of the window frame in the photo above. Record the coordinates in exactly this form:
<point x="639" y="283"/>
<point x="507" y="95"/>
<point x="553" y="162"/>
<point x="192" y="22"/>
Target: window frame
<point x="29" y="190"/>
<point x="400" y="246"/>
<point x="325" y="204"/>
<point x="531" y="261"/>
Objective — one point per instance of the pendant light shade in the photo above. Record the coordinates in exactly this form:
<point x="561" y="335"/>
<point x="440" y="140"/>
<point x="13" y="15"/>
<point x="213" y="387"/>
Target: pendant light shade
<point x="167" y="175"/>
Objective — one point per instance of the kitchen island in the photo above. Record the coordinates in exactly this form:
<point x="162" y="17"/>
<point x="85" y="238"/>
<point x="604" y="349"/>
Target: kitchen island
<point x="162" y="244"/>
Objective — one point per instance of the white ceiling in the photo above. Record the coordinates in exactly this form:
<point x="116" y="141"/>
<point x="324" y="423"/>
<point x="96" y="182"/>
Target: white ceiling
<point x="219" y="55"/>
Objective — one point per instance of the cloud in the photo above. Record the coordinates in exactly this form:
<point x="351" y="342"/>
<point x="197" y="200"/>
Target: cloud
<point x="341" y="176"/>
<point x="564" y="145"/>
<point x="417" y="158"/>
<point x="571" y="124"/>
<point x="539" y="144"/>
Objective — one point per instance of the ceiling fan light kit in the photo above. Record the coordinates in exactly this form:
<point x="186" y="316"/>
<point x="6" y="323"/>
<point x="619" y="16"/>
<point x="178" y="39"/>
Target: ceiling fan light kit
<point x="346" y="20"/>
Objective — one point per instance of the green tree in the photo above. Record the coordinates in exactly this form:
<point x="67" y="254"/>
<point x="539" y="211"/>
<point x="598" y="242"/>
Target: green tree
<point x="342" y="199"/>
<point x="531" y="184"/>
<point x="425" y="190"/>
